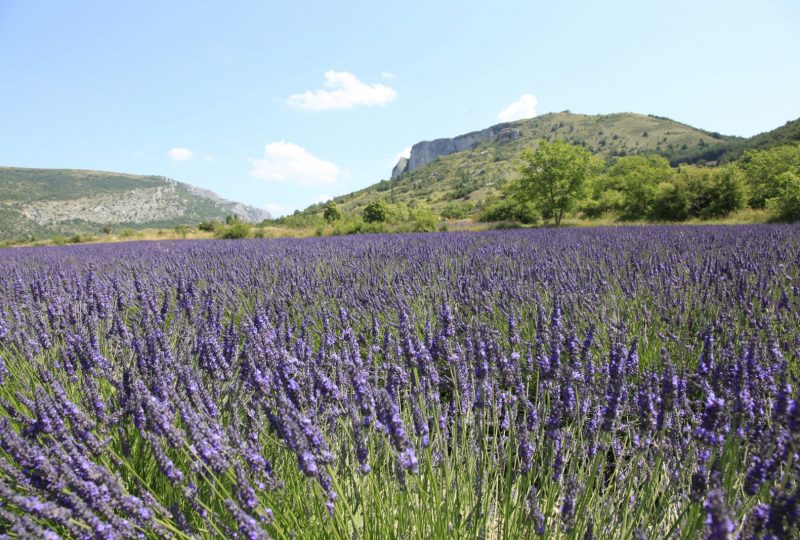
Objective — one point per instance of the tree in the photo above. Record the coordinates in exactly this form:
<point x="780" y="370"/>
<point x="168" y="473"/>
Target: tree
<point x="788" y="201"/>
<point x="332" y="212"/>
<point x="376" y="211"/>
<point x="763" y="167"/>
<point x="553" y="177"/>
<point x="637" y="179"/>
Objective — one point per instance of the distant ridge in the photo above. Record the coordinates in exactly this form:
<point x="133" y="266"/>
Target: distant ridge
<point x="48" y="202"/>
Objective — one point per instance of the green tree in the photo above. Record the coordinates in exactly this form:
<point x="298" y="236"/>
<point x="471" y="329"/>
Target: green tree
<point x="553" y="177"/>
<point x="722" y="193"/>
<point x="670" y="202"/>
<point x="332" y="212"/>
<point x="636" y="178"/>
<point x="763" y="167"/>
<point x="376" y="211"/>
<point x="788" y="201"/>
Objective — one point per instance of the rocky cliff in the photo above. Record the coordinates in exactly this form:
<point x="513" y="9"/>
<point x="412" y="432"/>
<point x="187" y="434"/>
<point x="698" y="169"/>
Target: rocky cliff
<point x="424" y="152"/>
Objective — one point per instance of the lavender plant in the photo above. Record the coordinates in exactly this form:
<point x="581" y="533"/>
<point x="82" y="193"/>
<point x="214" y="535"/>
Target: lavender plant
<point x="607" y="383"/>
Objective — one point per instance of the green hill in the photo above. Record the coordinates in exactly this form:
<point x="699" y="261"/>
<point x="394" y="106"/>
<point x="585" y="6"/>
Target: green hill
<point x="786" y="134"/>
<point x="477" y="172"/>
<point x="47" y="202"/>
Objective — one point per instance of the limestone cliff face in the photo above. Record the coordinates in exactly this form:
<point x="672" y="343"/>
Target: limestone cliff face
<point x="424" y="152"/>
<point x="400" y="168"/>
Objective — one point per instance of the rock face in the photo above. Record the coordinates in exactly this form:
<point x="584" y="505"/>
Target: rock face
<point x="400" y="168"/>
<point x="424" y="152"/>
<point x="244" y="211"/>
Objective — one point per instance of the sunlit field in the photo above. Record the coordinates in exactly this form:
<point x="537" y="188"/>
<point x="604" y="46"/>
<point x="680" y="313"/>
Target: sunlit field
<point x="579" y="383"/>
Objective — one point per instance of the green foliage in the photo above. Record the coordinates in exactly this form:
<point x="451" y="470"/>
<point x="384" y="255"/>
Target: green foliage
<point x="635" y="178"/>
<point x="208" y="226"/>
<point x="181" y="230"/>
<point x="376" y="211"/>
<point x="721" y="192"/>
<point x="788" y="201"/>
<point x="553" y="177"/>
<point x="457" y="210"/>
<point x="509" y="209"/>
<point x="236" y="229"/>
<point x="762" y="169"/>
<point x="332" y="212"/>
<point x="670" y="202"/>
<point x="106" y="229"/>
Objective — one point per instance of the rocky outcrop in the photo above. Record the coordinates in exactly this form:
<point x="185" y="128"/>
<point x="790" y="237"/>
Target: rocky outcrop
<point x="424" y="152"/>
<point x="400" y="167"/>
<point x="244" y="211"/>
<point x="144" y="205"/>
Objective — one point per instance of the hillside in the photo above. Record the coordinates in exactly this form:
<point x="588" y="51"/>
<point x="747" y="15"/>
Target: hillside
<point x="48" y="202"/>
<point x="472" y="166"/>
<point x="785" y="134"/>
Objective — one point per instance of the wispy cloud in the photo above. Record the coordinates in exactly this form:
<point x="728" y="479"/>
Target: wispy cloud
<point x="342" y="90"/>
<point x="388" y="75"/>
<point x="524" y="107"/>
<point x="180" y="154"/>
<point x="287" y="162"/>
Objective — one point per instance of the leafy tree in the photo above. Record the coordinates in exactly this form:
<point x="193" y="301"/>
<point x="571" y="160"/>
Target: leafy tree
<point x="237" y="229"/>
<point x="636" y="178"/>
<point x="376" y="211"/>
<point x="553" y="177"/>
<point x="670" y="202"/>
<point x="722" y="193"/>
<point x="788" y="201"/>
<point x="763" y="167"/>
<point x="332" y="212"/>
<point x="457" y="210"/>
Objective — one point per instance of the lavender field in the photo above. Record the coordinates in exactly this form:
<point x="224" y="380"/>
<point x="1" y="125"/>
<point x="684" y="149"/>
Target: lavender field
<point x="607" y="383"/>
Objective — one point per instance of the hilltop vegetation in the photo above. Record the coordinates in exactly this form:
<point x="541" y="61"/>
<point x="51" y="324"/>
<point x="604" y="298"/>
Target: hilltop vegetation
<point x="50" y="202"/>
<point x="655" y="169"/>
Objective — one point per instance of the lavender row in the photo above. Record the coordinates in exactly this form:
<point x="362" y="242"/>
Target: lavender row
<point x="575" y="383"/>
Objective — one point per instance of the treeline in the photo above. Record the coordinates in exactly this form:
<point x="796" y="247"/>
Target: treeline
<point x="646" y="187"/>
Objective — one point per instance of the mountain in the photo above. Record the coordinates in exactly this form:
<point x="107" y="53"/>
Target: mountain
<point x="48" y="202"/>
<point x="471" y="167"/>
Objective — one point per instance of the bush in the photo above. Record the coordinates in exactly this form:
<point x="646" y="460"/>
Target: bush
<point x="457" y="210"/>
<point x="238" y="229"/>
<point x="376" y="211"/>
<point x="209" y="226"/>
<point x="788" y="201"/>
<point x="509" y="209"/>
<point x="670" y="203"/>
<point x="723" y="193"/>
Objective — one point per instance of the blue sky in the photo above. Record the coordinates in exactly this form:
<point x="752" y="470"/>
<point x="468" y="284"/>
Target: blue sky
<point x="282" y="104"/>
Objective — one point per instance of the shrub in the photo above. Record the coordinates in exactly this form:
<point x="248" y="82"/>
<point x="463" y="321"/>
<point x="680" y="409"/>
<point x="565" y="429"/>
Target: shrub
<point x="788" y="201"/>
<point x="376" y="211"/>
<point x="236" y="230"/>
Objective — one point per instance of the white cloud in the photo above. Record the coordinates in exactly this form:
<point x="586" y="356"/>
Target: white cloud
<point x="180" y="154"/>
<point x="388" y="75"/>
<point x="524" y="107"/>
<point x="343" y="91"/>
<point x="405" y="152"/>
<point x="288" y="162"/>
<point x="322" y="199"/>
